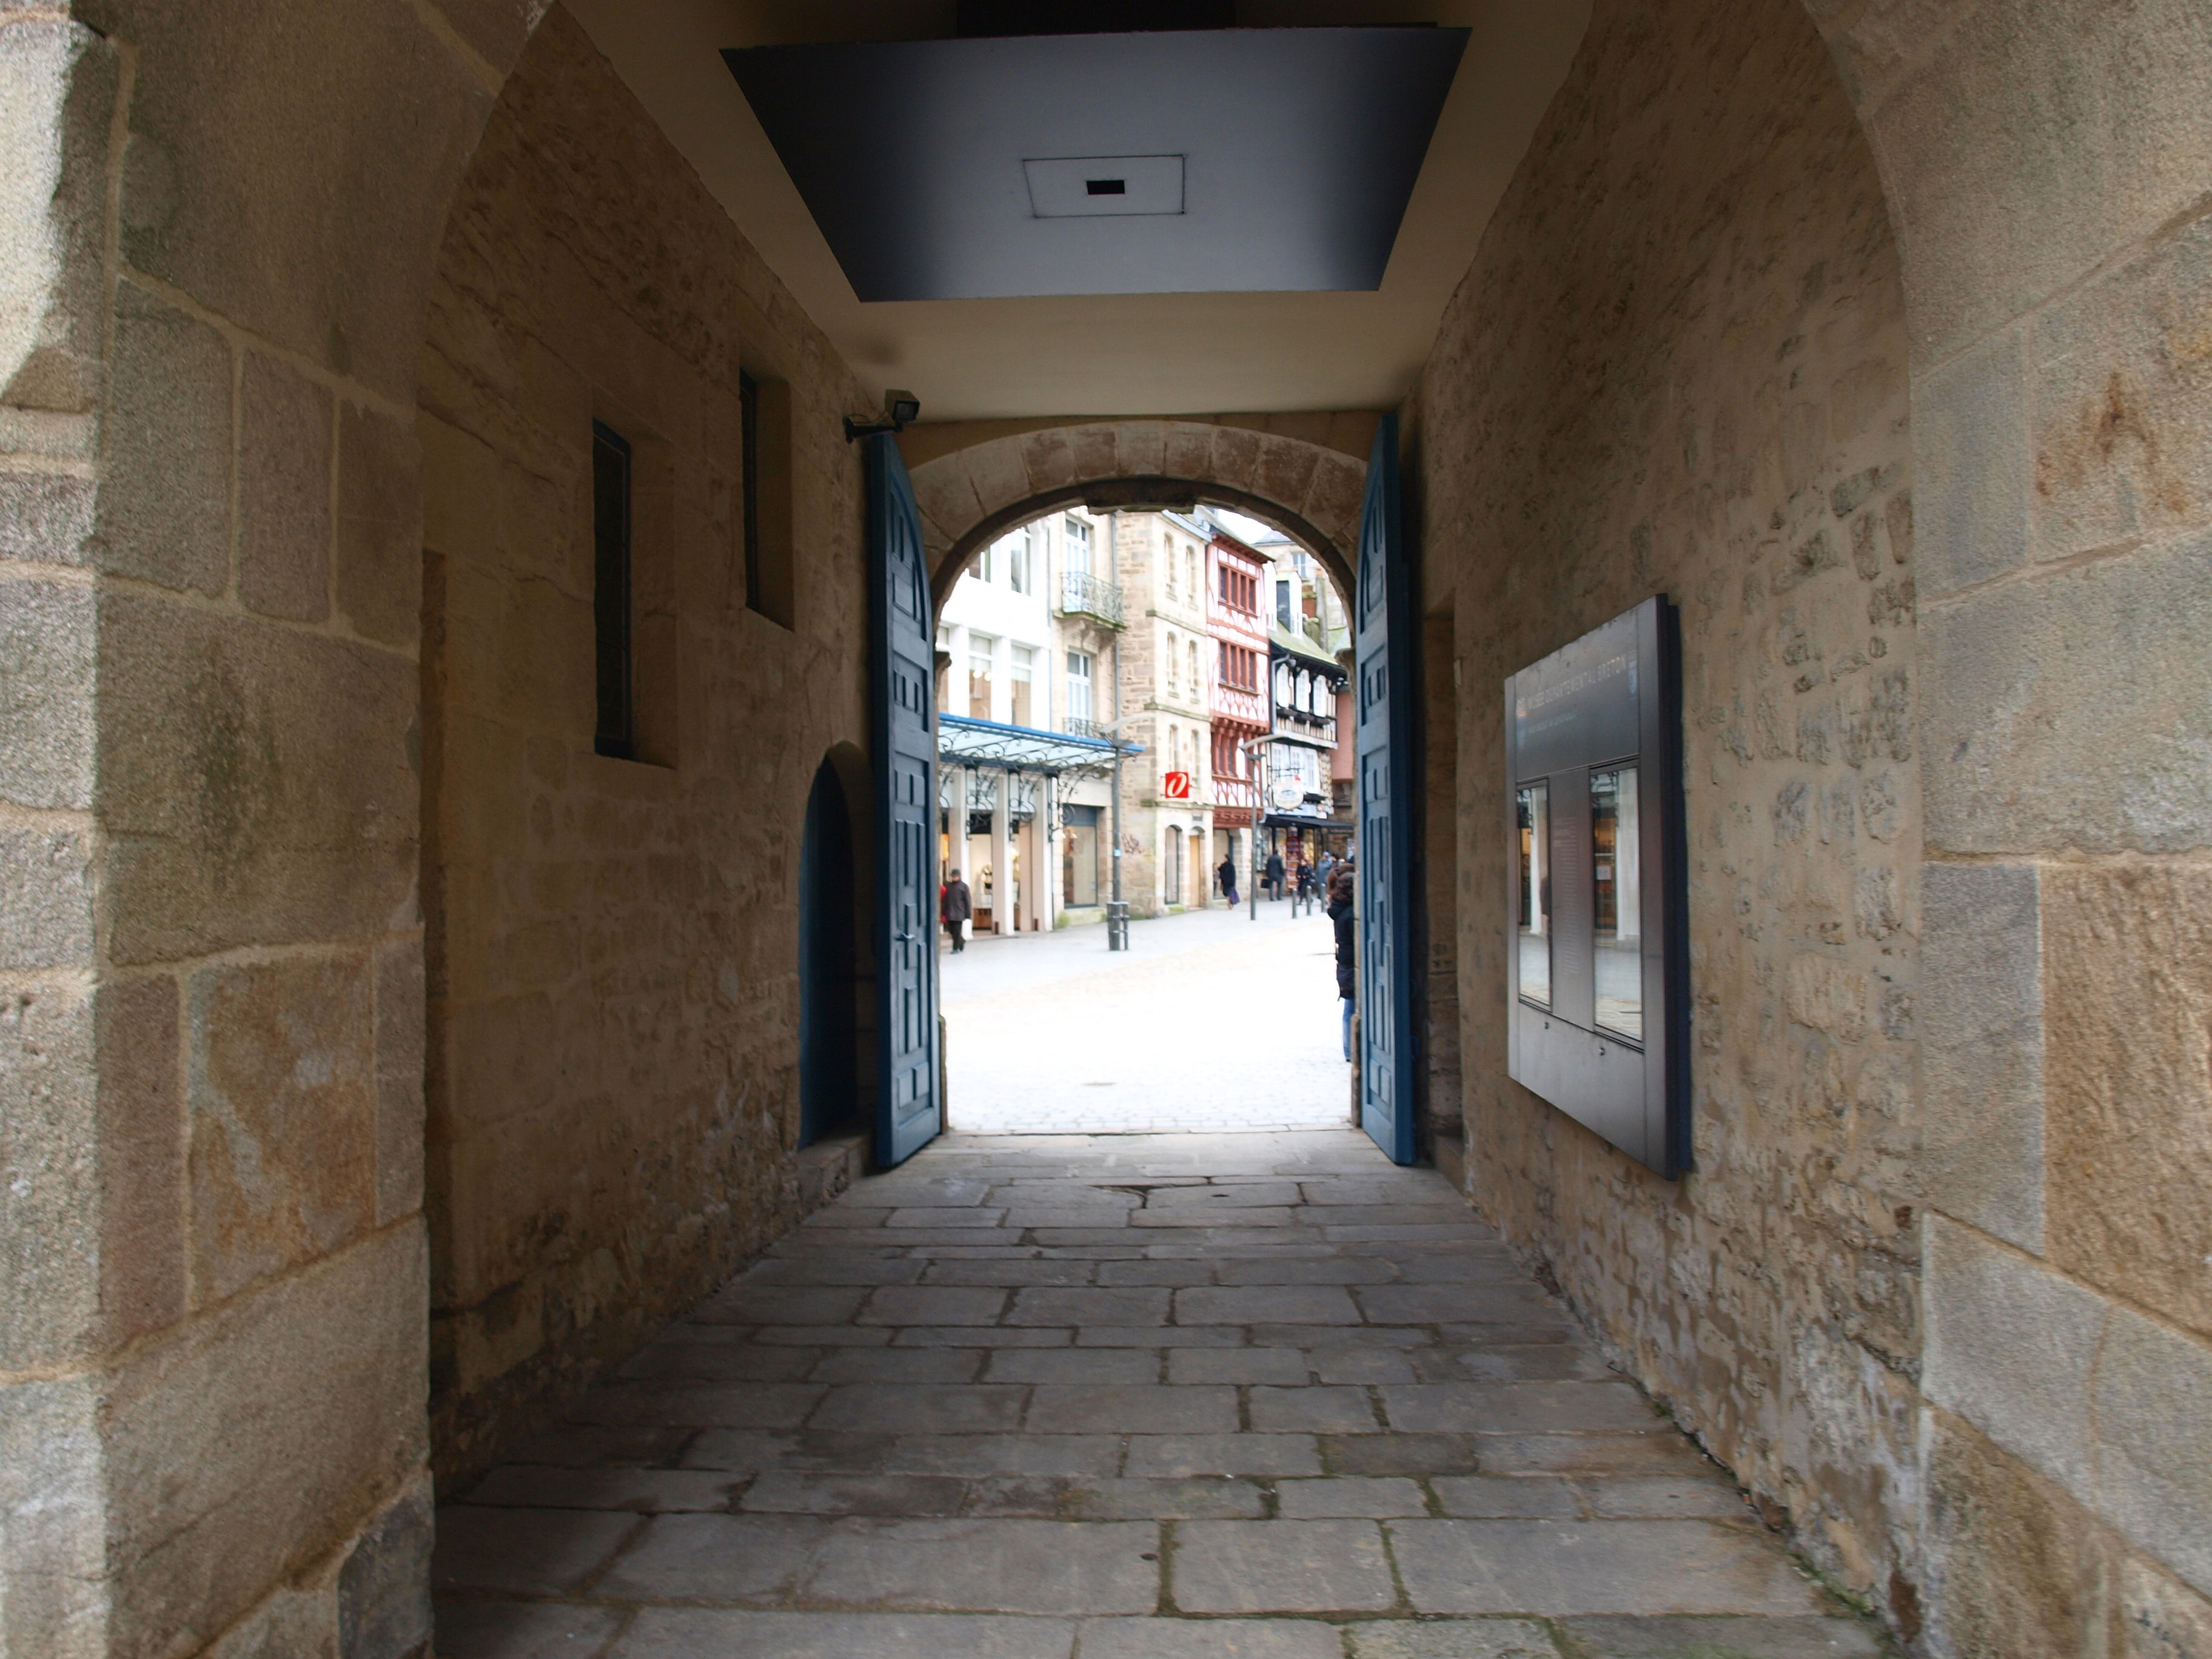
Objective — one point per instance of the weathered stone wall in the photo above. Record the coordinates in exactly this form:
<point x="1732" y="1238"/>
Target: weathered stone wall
<point x="2047" y="161"/>
<point x="1679" y="365"/>
<point x="215" y="228"/>
<point x="613" y="944"/>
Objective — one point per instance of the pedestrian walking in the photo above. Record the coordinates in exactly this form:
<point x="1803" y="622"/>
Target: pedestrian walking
<point x="1274" y="876"/>
<point x="1226" y="877"/>
<point x="954" y="907"/>
<point x="1340" y="887"/>
<point x="1305" y="886"/>
<point x="1322" y="871"/>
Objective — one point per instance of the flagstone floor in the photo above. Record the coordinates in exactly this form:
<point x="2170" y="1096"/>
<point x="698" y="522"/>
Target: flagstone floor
<point x="1131" y="1397"/>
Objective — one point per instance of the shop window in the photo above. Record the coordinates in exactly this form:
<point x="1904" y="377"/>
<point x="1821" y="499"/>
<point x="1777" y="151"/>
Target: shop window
<point x="1617" y="930"/>
<point x="1532" y="817"/>
<point x="1079" y="855"/>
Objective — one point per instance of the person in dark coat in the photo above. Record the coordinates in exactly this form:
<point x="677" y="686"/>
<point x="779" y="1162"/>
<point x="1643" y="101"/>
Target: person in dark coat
<point x="1340" y="887"/>
<point x="954" y="907"/>
<point x="1303" y="887"/>
<point x="1274" y="875"/>
<point x="1226" y="875"/>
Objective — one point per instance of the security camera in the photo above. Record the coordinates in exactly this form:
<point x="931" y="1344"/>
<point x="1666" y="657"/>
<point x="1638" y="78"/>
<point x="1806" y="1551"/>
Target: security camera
<point x="900" y="410"/>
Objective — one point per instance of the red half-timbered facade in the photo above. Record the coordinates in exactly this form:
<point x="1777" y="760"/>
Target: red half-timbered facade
<point x="1238" y="625"/>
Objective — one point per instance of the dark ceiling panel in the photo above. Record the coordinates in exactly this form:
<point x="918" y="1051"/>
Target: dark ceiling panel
<point x="1287" y="155"/>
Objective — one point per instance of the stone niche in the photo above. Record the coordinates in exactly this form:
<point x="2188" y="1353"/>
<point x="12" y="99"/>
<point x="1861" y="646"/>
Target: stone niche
<point x="612" y="944"/>
<point x="1680" y="356"/>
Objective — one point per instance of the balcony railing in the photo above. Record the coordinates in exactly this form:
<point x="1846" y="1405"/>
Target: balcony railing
<point x="1077" y="727"/>
<point x="1085" y="595"/>
<point x="1320" y="729"/>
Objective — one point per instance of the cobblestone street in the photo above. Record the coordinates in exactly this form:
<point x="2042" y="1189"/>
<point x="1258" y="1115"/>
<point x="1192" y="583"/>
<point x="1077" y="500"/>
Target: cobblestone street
<point x="1134" y="1397"/>
<point x="1211" y="1020"/>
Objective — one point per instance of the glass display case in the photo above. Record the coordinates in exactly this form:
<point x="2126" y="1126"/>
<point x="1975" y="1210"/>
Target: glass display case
<point x="1598" y="1006"/>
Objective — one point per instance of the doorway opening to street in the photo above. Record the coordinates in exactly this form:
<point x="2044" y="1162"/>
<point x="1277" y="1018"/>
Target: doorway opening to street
<point x="1146" y="779"/>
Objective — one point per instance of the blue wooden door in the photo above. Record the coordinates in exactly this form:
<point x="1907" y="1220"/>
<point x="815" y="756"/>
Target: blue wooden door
<point x="1385" y="626"/>
<point x="903" y="640"/>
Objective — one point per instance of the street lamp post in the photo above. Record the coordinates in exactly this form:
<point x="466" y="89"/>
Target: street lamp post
<point x="1117" y="911"/>
<point x="1258" y="804"/>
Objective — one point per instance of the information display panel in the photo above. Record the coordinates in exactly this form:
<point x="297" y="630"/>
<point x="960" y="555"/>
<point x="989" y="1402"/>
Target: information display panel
<point x="1598" y="989"/>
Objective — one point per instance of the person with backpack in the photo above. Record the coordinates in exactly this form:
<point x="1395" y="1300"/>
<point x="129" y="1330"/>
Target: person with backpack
<point x="1340" y="911"/>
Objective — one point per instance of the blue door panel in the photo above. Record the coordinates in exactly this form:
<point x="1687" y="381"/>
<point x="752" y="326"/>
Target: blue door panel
<point x="903" y="640"/>
<point x="1384" y="627"/>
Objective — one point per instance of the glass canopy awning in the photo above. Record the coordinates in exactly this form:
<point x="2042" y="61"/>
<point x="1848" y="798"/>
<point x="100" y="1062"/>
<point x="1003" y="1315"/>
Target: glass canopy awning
<point x="964" y="742"/>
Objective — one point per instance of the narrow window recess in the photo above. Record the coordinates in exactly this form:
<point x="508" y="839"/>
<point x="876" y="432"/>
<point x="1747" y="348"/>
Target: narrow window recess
<point x="749" y="437"/>
<point x="616" y="733"/>
<point x="1105" y="187"/>
<point x="765" y="527"/>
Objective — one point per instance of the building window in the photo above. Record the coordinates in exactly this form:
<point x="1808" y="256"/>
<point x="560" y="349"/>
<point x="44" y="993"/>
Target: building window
<point x="1020" y="555"/>
<point x="611" y="548"/>
<point x="1078" y="686"/>
<point x="1020" y="671"/>
<point x="980" y="649"/>
<point x="1079" y="546"/>
<point x="1283" y="602"/>
<point x="1171" y="885"/>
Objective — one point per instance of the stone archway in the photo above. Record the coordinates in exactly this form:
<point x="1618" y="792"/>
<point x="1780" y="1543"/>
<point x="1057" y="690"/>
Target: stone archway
<point x="1307" y="486"/>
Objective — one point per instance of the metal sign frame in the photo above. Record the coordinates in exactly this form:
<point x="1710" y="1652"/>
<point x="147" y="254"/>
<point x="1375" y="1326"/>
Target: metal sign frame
<point x="1608" y="705"/>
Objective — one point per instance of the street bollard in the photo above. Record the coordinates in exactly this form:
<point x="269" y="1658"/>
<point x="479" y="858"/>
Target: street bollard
<point x="1117" y="925"/>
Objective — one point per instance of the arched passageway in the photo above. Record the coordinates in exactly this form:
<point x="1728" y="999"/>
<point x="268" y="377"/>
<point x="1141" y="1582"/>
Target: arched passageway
<point x="227" y="249"/>
<point x="974" y="485"/>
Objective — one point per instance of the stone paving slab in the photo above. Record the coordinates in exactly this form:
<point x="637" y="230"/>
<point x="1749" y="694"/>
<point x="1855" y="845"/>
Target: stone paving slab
<point x="1215" y="1418"/>
<point x="1281" y="1566"/>
<point x="715" y="1633"/>
<point x="1594" y="1566"/>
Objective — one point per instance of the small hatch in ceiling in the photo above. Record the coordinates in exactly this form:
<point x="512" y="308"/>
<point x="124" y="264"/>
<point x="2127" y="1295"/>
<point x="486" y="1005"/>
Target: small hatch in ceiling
<point x="1079" y="186"/>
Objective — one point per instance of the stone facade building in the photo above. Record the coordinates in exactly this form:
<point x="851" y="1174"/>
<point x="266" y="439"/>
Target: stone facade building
<point x="379" y="1060"/>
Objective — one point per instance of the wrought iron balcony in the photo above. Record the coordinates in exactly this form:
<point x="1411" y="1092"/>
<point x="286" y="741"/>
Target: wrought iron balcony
<point x="1085" y="595"/>
<point x="1077" y="727"/>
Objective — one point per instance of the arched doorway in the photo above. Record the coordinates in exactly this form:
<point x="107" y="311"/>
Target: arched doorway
<point x="828" y="959"/>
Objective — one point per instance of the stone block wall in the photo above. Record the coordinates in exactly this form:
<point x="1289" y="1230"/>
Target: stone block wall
<point x="1679" y="365"/>
<point x="1937" y="1289"/>
<point x="2046" y="165"/>
<point x="613" y="955"/>
<point x="212" y="1253"/>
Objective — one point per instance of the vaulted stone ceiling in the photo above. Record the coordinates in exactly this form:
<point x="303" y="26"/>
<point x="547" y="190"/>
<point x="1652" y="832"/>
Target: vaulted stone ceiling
<point x="1107" y="354"/>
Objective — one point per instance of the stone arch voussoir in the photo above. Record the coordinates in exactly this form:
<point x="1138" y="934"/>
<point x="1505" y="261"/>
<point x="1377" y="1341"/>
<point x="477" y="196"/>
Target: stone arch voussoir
<point x="1310" y="490"/>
